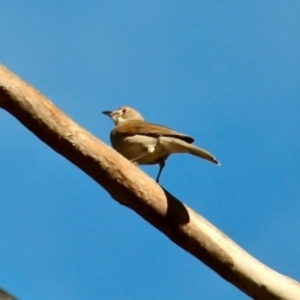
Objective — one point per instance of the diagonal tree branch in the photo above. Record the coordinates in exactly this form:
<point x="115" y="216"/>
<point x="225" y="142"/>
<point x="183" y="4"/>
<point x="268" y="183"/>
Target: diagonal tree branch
<point x="6" y="296"/>
<point x="131" y="187"/>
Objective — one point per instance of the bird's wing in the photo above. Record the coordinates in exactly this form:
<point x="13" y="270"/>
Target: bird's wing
<point x="135" y="127"/>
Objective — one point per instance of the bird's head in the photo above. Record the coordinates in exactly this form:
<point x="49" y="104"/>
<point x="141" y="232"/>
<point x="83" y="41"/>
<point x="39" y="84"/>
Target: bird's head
<point x="123" y="114"/>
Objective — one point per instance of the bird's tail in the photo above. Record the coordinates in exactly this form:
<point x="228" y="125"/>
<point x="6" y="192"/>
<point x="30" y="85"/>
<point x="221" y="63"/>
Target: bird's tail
<point x="203" y="154"/>
<point x="179" y="146"/>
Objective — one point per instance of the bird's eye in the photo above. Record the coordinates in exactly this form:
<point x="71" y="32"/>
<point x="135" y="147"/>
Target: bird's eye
<point x="124" y="110"/>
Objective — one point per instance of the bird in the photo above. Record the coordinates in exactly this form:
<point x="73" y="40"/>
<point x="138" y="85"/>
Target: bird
<point x="146" y="143"/>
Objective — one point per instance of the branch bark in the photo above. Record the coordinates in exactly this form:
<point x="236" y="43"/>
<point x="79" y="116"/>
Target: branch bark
<point x="131" y="187"/>
<point x="6" y="296"/>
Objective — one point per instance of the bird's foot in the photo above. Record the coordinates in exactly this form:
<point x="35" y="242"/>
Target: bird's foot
<point x="134" y="162"/>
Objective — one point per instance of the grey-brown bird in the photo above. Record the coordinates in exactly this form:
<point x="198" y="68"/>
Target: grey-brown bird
<point x="145" y="143"/>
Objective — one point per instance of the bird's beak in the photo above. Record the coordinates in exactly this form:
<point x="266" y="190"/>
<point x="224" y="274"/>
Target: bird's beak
<point x="107" y="112"/>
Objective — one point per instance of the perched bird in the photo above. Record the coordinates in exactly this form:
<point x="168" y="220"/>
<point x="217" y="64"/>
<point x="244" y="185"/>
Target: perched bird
<point x="145" y="143"/>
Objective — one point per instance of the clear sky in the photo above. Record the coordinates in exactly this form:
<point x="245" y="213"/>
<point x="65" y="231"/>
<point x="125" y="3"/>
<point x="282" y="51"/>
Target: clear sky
<point x="225" y="72"/>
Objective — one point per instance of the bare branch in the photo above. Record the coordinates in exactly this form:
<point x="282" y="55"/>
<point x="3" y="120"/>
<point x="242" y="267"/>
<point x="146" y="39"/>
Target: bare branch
<point x="6" y="296"/>
<point x="131" y="187"/>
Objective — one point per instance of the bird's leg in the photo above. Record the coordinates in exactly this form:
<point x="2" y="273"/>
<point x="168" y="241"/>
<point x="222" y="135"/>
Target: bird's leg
<point x="162" y="163"/>
<point x="161" y="166"/>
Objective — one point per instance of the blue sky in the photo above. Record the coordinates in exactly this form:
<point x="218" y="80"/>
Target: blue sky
<point x="226" y="73"/>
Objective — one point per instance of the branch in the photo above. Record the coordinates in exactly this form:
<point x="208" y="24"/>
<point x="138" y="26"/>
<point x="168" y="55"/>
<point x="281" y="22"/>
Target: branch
<point x="6" y="296"/>
<point x="131" y="187"/>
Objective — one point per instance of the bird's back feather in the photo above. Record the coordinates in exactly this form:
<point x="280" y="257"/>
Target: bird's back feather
<point x="138" y="127"/>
